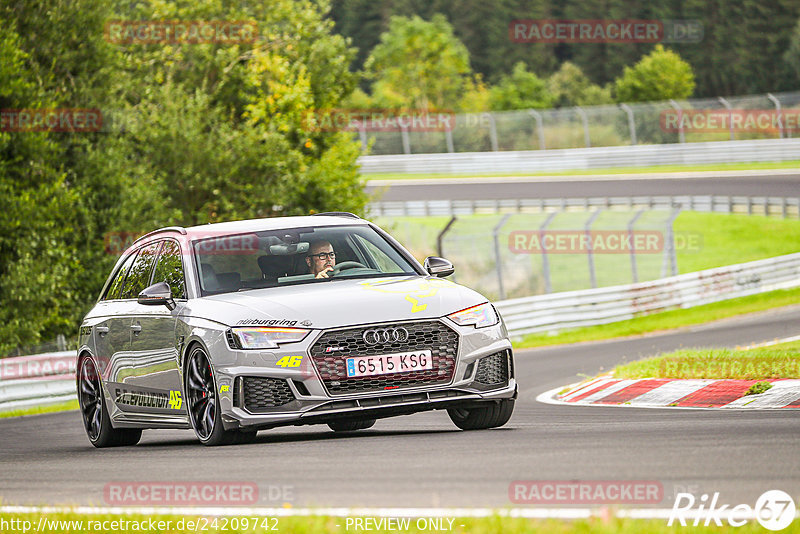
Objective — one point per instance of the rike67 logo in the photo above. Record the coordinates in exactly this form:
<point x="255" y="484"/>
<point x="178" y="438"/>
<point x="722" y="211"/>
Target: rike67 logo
<point x="774" y="510"/>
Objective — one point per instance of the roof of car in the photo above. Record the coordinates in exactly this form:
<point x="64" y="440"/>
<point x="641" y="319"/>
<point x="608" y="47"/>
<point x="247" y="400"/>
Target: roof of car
<point x="273" y="223"/>
<point x="255" y="225"/>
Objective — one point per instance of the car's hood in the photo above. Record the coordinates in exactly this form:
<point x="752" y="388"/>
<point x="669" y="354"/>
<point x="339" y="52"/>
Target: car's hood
<point x="338" y="302"/>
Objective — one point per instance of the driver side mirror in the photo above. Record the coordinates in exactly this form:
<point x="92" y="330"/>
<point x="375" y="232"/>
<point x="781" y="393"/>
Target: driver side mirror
<point x="157" y="295"/>
<point x="438" y="267"/>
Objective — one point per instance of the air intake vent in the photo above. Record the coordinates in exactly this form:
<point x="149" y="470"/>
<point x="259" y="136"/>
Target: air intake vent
<point x="493" y="369"/>
<point x="260" y="392"/>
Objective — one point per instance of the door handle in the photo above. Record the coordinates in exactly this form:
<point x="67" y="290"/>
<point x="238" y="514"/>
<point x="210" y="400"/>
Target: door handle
<point x="102" y="330"/>
<point x="136" y="328"/>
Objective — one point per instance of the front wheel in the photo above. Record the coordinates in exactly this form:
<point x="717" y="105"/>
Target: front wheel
<point x="492" y="415"/>
<point x="93" y="409"/>
<point x="203" y="403"/>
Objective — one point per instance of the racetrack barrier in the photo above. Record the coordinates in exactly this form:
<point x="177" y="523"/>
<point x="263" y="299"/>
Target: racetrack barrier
<point x="50" y="378"/>
<point x="573" y="309"/>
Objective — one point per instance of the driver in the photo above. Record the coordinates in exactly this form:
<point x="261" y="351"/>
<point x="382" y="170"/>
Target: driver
<point x="320" y="259"/>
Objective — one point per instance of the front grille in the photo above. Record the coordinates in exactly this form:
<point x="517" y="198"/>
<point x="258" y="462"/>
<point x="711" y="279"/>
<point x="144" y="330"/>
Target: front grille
<point x="261" y="392"/>
<point x="493" y="369"/>
<point x="332" y="349"/>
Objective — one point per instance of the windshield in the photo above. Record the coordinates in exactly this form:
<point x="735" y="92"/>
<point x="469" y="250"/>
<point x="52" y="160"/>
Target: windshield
<point x="237" y="262"/>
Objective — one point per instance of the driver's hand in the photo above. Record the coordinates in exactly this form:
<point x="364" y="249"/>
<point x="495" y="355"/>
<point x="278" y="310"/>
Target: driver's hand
<point x="324" y="273"/>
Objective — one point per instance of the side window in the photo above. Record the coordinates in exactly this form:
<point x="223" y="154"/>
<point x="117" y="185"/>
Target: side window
<point x="139" y="275"/>
<point x="115" y="289"/>
<point x="169" y="269"/>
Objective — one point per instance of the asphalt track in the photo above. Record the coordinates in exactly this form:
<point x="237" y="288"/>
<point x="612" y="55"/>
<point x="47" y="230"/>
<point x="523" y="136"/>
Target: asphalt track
<point x="776" y="184"/>
<point x="424" y="461"/>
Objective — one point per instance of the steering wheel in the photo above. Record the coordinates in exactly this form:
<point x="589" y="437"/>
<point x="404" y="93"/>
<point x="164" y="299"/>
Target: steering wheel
<point x="339" y="267"/>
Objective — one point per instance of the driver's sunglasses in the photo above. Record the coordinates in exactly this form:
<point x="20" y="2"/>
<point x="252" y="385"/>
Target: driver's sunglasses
<point x="323" y="255"/>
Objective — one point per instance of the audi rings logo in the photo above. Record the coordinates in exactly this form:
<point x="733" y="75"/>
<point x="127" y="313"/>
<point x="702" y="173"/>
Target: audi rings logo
<point x="385" y="335"/>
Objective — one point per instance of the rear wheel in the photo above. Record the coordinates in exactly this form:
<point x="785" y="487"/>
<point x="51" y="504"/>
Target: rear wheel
<point x="492" y="415"/>
<point x="351" y="425"/>
<point x="203" y="404"/>
<point x="96" y="421"/>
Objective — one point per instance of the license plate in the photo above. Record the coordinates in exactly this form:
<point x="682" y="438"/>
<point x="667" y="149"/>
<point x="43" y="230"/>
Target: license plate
<point x="385" y="364"/>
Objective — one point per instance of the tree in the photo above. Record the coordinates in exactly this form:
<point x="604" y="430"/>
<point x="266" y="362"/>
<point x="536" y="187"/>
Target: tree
<point x="191" y="134"/>
<point x="569" y="86"/>
<point x="660" y="75"/>
<point x="418" y="64"/>
<point x="520" y="90"/>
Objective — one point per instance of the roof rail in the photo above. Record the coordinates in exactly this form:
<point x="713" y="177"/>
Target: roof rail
<point x="179" y="229"/>
<point x="338" y="214"/>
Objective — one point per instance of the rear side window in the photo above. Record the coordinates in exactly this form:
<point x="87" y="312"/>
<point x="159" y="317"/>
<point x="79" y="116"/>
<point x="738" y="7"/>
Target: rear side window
<point x="139" y="276"/>
<point x="115" y="289"/>
<point x="169" y="269"/>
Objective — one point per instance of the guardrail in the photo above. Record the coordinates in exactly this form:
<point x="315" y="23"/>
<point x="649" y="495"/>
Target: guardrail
<point x="38" y="380"/>
<point x="50" y="378"/>
<point x="777" y="206"/>
<point x="591" y="307"/>
<point x="585" y="158"/>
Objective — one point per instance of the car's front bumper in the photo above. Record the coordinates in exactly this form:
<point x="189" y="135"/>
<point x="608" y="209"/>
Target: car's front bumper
<point x="312" y="403"/>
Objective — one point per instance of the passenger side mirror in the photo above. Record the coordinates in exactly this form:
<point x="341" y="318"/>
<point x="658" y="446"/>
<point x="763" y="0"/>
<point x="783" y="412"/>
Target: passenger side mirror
<point x="438" y="267"/>
<point x="157" y="295"/>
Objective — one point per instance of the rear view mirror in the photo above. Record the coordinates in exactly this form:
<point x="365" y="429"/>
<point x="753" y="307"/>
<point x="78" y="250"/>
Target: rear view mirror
<point x="438" y="267"/>
<point x="288" y="250"/>
<point x="157" y="295"/>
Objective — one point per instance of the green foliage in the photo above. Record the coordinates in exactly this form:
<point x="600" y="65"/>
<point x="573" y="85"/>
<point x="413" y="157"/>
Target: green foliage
<point x="569" y="86"/>
<point x="192" y="134"/>
<point x="660" y="75"/>
<point x="418" y="64"/>
<point x="792" y="55"/>
<point x="758" y="388"/>
<point x="520" y="90"/>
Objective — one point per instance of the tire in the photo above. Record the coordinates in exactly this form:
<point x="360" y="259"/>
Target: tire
<point x="351" y="425"/>
<point x="203" y="403"/>
<point x="492" y="415"/>
<point x="95" y="417"/>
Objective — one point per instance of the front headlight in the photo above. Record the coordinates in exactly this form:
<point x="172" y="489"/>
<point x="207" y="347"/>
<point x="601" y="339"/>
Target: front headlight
<point x="265" y="337"/>
<point x="479" y="316"/>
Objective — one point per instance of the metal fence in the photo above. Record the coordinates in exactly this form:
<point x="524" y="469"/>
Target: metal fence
<point x="533" y="161"/>
<point x="37" y="380"/>
<point x="770" y="206"/>
<point x="48" y="378"/>
<point x="596" y="126"/>
<point x="522" y="247"/>
<point x="544" y="313"/>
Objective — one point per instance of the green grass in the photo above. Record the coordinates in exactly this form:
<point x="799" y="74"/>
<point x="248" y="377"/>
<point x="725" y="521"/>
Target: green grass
<point x="61" y="407"/>
<point x="588" y="172"/>
<point x="327" y="524"/>
<point x="727" y="239"/>
<point x="667" y="320"/>
<point x="754" y="364"/>
<point x="758" y="388"/>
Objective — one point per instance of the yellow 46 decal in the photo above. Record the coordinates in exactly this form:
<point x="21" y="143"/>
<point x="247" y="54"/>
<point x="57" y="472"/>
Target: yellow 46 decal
<point x="290" y="361"/>
<point x="175" y="400"/>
